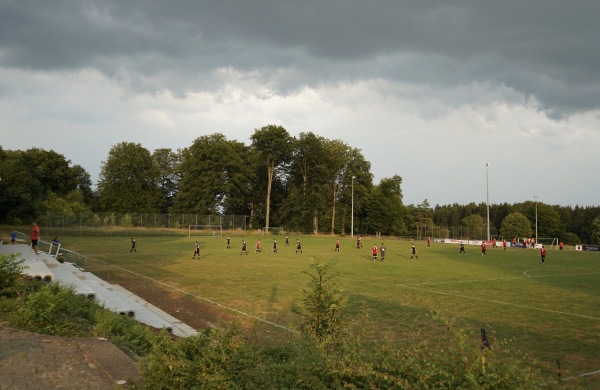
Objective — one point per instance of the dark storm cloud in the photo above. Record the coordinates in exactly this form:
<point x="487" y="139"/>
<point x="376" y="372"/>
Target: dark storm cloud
<point x="547" y="50"/>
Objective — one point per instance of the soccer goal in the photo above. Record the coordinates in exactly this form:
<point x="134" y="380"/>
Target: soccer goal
<point x="549" y="242"/>
<point x="276" y="230"/>
<point x="205" y="231"/>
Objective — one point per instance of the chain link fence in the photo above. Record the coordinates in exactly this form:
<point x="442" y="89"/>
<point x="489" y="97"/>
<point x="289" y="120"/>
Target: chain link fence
<point x="101" y="223"/>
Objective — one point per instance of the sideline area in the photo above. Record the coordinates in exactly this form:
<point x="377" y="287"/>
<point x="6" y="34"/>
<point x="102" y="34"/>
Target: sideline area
<point x="113" y="297"/>
<point x="38" y="361"/>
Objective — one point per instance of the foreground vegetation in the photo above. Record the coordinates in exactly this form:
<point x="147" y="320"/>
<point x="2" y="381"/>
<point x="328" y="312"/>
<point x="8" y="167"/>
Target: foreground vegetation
<point x="334" y="347"/>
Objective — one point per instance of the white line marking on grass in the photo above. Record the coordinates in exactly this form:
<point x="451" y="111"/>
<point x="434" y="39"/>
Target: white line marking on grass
<point x="502" y="303"/>
<point x="492" y="279"/>
<point x="210" y="301"/>
<point x="572" y="378"/>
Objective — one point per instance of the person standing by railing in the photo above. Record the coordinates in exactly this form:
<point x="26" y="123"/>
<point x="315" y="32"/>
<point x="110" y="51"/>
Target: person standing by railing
<point x="35" y="236"/>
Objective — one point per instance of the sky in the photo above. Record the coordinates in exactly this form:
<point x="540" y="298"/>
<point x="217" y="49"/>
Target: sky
<point x="467" y="101"/>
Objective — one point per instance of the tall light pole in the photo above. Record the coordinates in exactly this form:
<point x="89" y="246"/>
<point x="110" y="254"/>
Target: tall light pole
<point x="352" y="217"/>
<point x="536" y="197"/>
<point x="487" y="185"/>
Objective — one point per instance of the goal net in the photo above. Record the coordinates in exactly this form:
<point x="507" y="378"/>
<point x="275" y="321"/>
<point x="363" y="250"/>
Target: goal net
<point x="548" y="242"/>
<point x="272" y="230"/>
<point x="205" y="231"/>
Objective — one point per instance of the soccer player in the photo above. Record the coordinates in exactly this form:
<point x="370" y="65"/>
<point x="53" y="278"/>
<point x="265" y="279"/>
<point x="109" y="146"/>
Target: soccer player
<point x="244" y="247"/>
<point x="560" y="245"/>
<point x="413" y="252"/>
<point x="228" y="243"/>
<point x="374" y="252"/>
<point x="382" y="250"/>
<point x="132" y="246"/>
<point x="196" y="250"/>
<point x="258" y="246"/>
<point x="494" y="243"/>
<point x="428" y="241"/>
<point x="543" y="254"/>
<point x="337" y="245"/>
<point x="462" y="249"/>
<point x="35" y="236"/>
<point x="298" y="246"/>
<point x="287" y="241"/>
<point x="504" y="243"/>
<point x="274" y="246"/>
<point x="483" y="247"/>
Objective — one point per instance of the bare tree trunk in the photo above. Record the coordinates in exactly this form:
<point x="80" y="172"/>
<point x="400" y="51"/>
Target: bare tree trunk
<point x="333" y="213"/>
<point x="270" y="171"/>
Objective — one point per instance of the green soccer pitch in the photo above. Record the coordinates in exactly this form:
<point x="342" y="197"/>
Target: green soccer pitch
<point x="551" y="310"/>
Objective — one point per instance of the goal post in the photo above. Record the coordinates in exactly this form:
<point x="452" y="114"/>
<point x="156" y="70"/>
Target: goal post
<point x="272" y="230"/>
<point x="550" y="242"/>
<point x="205" y="231"/>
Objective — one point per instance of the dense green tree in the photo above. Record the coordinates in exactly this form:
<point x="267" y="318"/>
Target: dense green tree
<point x="21" y="191"/>
<point x="273" y="145"/>
<point x="167" y="163"/>
<point x="548" y="219"/>
<point x="84" y="185"/>
<point x="308" y="186"/>
<point x="359" y="168"/>
<point x="65" y="210"/>
<point x="27" y="177"/>
<point x="213" y="172"/>
<point x="516" y="225"/>
<point x="129" y="180"/>
<point x="52" y="170"/>
<point x="339" y="174"/>
<point x="476" y="224"/>
<point x="242" y="193"/>
<point x="570" y="239"/>
<point x="596" y="230"/>
<point x="385" y="209"/>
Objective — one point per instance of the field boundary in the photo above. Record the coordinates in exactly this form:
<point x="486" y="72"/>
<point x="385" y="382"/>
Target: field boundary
<point x="499" y="302"/>
<point x="208" y="300"/>
<point x="493" y="279"/>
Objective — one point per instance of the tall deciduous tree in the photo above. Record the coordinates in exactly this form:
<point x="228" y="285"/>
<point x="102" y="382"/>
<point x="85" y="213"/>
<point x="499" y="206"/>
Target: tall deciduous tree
<point x="340" y="174"/>
<point x="29" y="176"/>
<point x="129" y="180"/>
<point x="596" y="230"/>
<point x="167" y="162"/>
<point x="516" y="225"/>
<point x="385" y="209"/>
<point x="273" y="145"/>
<point x="214" y="175"/>
<point x="307" y="184"/>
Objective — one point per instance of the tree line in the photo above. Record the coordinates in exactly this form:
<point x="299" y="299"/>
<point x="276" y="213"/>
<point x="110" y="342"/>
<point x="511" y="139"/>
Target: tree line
<point x="308" y="184"/>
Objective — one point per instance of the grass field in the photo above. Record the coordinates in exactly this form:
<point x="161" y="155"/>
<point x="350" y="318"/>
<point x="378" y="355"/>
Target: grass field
<point x="551" y="310"/>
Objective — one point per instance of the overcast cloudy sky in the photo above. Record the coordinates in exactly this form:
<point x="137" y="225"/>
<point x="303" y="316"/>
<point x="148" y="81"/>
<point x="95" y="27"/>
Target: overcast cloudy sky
<point x="431" y="91"/>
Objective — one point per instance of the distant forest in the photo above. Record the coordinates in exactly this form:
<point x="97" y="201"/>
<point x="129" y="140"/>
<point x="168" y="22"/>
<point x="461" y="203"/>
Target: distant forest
<point x="305" y="184"/>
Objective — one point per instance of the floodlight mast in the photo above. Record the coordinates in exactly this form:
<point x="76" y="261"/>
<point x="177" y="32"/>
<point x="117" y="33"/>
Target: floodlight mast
<point x="352" y="213"/>
<point x="536" y="197"/>
<point x="487" y="184"/>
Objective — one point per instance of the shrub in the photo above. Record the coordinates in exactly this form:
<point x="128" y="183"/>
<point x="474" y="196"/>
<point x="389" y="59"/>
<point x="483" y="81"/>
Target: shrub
<point x="324" y="305"/>
<point x="125" y="332"/>
<point x="10" y="273"/>
<point x="54" y="309"/>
